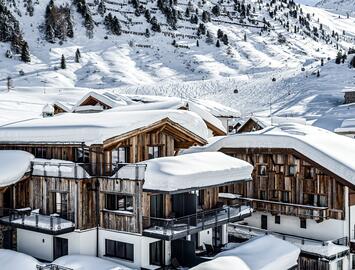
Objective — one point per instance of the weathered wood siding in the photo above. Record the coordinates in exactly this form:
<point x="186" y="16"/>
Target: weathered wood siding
<point x="278" y="184"/>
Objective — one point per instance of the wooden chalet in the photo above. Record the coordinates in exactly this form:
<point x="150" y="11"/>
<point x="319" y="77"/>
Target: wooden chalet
<point x="303" y="186"/>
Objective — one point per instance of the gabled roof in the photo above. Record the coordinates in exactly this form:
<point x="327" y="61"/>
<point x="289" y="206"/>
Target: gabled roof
<point x="63" y="106"/>
<point x="110" y="100"/>
<point x="264" y="122"/>
<point x="96" y="128"/>
<point x="347" y="126"/>
<point x="329" y="150"/>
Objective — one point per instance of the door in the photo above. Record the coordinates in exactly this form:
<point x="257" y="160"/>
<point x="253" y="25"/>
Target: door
<point x="264" y="222"/>
<point x="60" y="247"/>
<point x="156" y="206"/>
<point x="8" y="239"/>
<point x="156" y="253"/>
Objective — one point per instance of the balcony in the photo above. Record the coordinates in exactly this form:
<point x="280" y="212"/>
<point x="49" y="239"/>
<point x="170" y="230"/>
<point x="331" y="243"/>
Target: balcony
<point x="290" y="209"/>
<point x="67" y="169"/>
<point x="25" y="219"/>
<point x="175" y="228"/>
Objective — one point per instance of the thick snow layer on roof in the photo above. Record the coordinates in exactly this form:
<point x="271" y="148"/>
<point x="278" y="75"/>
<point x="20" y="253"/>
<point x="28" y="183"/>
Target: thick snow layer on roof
<point x="194" y="171"/>
<point x="348" y="125"/>
<point x="48" y="109"/>
<point x="95" y="127"/>
<point x="217" y="109"/>
<point x="332" y="151"/>
<point x="106" y="98"/>
<point x="12" y="260"/>
<point x="83" y="262"/>
<point x="67" y="107"/>
<point x="13" y="165"/>
<point x="56" y="168"/>
<point x="261" y="253"/>
<point x="174" y="104"/>
<point x="275" y="120"/>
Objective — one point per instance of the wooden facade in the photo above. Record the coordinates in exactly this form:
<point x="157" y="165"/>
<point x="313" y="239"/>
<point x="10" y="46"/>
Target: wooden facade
<point x="286" y="182"/>
<point x="250" y="125"/>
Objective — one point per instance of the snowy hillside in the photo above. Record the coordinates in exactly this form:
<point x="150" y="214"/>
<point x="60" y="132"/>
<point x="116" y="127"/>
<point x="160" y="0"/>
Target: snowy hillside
<point x="339" y="6"/>
<point x="265" y="40"/>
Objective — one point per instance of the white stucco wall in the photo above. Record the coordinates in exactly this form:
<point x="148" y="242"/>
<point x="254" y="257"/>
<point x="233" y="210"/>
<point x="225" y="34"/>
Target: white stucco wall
<point x="141" y="247"/>
<point x="205" y="237"/>
<point x="36" y="244"/>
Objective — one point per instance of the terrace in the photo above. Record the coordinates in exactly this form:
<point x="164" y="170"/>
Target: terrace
<point x="26" y="219"/>
<point x="175" y="228"/>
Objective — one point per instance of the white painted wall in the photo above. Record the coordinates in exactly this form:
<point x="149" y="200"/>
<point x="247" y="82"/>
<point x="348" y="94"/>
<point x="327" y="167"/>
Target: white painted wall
<point x="36" y="244"/>
<point x="141" y="247"/>
<point x="81" y="242"/>
<point x="205" y="237"/>
<point x="327" y="230"/>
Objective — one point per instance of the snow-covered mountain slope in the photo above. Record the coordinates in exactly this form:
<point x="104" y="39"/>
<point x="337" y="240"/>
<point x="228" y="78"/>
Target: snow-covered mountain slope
<point x="135" y="63"/>
<point x="343" y="7"/>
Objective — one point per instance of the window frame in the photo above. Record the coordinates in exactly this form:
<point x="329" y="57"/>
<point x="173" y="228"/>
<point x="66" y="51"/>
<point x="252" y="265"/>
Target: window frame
<point x="153" y="150"/>
<point x="118" y="151"/>
<point x="277" y="219"/>
<point x="121" y="250"/>
<point x="303" y="223"/>
<point x="262" y="168"/>
<point x="113" y="202"/>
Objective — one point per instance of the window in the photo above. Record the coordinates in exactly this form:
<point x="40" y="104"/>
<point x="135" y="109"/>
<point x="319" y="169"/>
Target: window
<point x="303" y="223"/>
<point x="201" y="197"/>
<point x="308" y="172"/>
<point x="153" y="152"/>
<point x="275" y="194"/>
<point x="340" y="265"/>
<point x="119" y="202"/>
<point x="156" y="253"/>
<point x="60" y="203"/>
<point x="353" y="262"/>
<point x="81" y="155"/>
<point x="119" y="250"/>
<point x="120" y="155"/>
<point x="60" y="247"/>
<point x="322" y="201"/>
<point x="277" y="219"/>
<point x="40" y="152"/>
<point x="264" y="222"/>
<point x="262" y="170"/>
<point x="285" y="196"/>
<point x="292" y="170"/>
<point x="262" y="195"/>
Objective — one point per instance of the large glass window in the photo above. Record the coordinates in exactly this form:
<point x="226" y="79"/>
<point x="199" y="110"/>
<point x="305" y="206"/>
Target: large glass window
<point x="119" y="202"/>
<point x="81" y="155"/>
<point x="262" y="170"/>
<point x="119" y="250"/>
<point x="60" y="203"/>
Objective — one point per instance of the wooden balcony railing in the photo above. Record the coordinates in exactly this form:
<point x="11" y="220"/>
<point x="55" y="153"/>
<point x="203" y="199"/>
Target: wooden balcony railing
<point x="173" y="228"/>
<point x="298" y="210"/>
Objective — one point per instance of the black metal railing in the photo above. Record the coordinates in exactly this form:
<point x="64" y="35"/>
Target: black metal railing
<point x="24" y="217"/>
<point x="52" y="267"/>
<point x="197" y="221"/>
<point x="89" y="170"/>
<point x="290" y="209"/>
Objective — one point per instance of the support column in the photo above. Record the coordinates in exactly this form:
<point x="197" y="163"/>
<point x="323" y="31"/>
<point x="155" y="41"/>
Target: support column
<point x="224" y="237"/>
<point x="167" y="251"/>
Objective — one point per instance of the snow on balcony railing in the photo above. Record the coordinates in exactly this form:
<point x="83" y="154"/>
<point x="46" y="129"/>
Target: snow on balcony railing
<point x="25" y="218"/>
<point x="67" y="169"/>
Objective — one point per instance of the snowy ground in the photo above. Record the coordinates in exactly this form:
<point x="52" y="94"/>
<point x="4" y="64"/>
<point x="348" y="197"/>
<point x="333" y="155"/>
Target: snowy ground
<point x="206" y="72"/>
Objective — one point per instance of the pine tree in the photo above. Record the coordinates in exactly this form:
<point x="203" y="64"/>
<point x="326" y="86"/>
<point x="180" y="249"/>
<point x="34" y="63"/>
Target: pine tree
<point x="218" y="44"/>
<point x="322" y="62"/>
<point x="225" y="39"/>
<point x="245" y="37"/>
<point x="209" y="39"/>
<point x="63" y="64"/>
<point x="8" y="83"/>
<point x="197" y="43"/>
<point x="77" y="56"/>
<point x="25" y="53"/>
<point x="187" y="13"/>
<point x="338" y="57"/>
<point x="219" y="34"/>
<point x="318" y="73"/>
<point x="352" y="62"/>
<point x="147" y="33"/>
<point x="216" y="10"/>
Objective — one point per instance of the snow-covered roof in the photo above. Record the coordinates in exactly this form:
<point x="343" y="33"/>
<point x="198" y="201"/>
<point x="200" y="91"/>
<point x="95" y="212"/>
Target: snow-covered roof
<point x="96" y="127"/>
<point x="83" y="262"/>
<point x="260" y="253"/>
<point x="111" y="100"/>
<point x="264" y="122"/>
<point x="348" y="89"/>
<point x="64" y="106"/>
<point x="175" y="104"/>
<point x="332" y="151"/>
<point x="217" y="109"/>
<point x="13" y="166"/>
<point x="48" y="109"/>
<point x="12" y="260"/>
<point x="347" y="126"/>
<point x="194" y="171"/>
